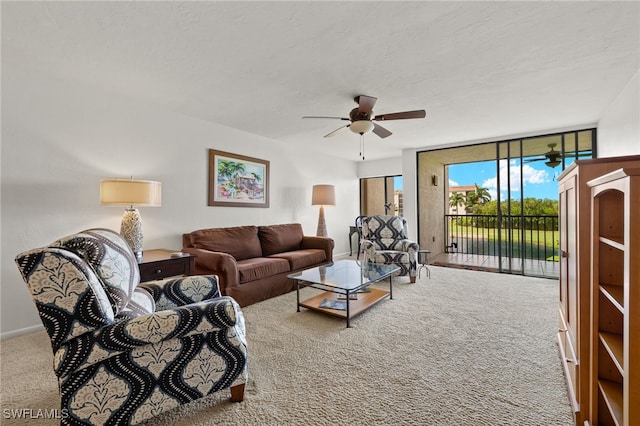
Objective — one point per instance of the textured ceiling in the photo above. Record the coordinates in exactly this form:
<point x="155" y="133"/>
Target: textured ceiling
<point x="480" y="69"/>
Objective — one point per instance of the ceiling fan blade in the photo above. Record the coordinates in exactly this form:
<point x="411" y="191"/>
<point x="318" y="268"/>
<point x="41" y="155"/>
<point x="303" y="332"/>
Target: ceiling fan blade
<point x="319" y="116"/>
<point x="381" y="131"/>
<point x="328" y="135"/>
<point x="401" y="115"/>
<point x="365" y="103"/>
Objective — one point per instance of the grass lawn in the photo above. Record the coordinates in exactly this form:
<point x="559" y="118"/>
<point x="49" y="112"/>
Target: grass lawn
<point x="537" y="244"/>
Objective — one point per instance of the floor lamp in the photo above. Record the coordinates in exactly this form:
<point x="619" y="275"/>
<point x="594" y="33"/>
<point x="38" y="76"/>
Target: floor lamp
<point x="130" y="192"/>
<point x="323" y="195"/>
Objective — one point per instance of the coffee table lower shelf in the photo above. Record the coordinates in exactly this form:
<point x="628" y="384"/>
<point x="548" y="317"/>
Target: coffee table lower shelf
<point x="356" y="306"/>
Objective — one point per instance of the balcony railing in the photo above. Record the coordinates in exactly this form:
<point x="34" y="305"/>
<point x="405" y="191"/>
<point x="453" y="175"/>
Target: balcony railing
<point x="527" y="237"/>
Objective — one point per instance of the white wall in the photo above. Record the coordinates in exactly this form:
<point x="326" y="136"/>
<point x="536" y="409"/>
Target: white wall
<point x="379" y="168"/>
<point x="410" y="190"/>
<point x="619" y="127"/>
<point x="60" y="138"/>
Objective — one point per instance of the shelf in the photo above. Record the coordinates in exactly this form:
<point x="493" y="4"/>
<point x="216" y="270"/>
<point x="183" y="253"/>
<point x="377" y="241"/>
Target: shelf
<point x="612" y="394"/>
<point x="614" y="345"/>
<point x="614" y="277"/>
<point x="615" y="294"/>
<point x="357" y="306"/>
<point x="615" y="242"/>
<point x="611" y="270"/>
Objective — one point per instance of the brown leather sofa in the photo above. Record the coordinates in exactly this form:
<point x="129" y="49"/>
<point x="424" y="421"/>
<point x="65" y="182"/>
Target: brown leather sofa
<point x="252" y="262"/>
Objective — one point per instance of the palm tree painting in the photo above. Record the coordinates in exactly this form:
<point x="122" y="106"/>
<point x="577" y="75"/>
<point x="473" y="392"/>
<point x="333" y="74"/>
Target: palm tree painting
<point x="236" y="180"/>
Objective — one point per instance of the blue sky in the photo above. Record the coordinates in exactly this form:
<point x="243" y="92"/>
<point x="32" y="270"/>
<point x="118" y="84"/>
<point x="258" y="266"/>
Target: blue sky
<point x="538" y="179"/>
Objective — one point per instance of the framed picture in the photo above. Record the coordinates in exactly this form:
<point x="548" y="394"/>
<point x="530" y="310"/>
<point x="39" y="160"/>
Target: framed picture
<point x="237" y="181"/>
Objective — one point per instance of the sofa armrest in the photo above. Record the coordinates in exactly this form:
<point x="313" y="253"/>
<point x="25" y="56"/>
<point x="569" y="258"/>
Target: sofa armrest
<point x="323" y="243"/>
<point x="170" y="294"/>
<point x="216" y="263"/>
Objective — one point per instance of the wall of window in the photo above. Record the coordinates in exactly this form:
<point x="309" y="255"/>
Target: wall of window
<point x="508" y="161"/>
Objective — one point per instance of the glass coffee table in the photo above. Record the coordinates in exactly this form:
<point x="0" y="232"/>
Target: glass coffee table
<point x="346" y="287"/>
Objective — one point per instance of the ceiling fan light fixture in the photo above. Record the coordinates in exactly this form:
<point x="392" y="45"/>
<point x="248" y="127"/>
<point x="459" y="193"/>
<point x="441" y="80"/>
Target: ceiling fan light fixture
<point x="361" y="127"/>
<point x="552" y="163"/>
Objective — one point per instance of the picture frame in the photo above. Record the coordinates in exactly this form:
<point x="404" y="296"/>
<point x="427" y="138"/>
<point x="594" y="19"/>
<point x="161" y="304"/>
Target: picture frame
<point x="237" y="180"/>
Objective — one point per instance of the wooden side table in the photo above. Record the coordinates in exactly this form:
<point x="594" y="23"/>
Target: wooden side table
<point x="158" y="264"/>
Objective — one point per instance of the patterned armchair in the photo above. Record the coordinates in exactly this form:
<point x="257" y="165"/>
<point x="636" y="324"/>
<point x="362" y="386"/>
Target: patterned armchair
<point x="384" y="240"/>
<point x="124" y="352"/>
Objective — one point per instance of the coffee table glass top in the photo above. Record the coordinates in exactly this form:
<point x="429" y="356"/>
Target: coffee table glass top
<point x="345" y="274"/>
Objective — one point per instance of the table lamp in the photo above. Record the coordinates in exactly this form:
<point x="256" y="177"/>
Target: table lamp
<point x="323" y="195"/>
<point x="130" y="192"/>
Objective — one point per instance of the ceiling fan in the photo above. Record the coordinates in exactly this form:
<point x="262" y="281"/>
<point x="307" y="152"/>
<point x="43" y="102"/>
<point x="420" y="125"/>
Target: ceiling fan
<point x="552" y="158"/>
<point x="361" y="119"/>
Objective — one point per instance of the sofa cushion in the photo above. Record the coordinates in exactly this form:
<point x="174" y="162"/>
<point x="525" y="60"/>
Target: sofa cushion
<point x="280" y="238"/>
<point x="260" y="267"/>
<point x="241" y="242"/>
<point x="300" y="259"/>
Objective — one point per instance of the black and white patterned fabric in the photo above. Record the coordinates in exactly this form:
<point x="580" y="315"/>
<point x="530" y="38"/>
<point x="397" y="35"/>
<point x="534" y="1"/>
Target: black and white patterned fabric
<point x="384" y="240"/>
<point x="124" y="353"/>
<point x="110" y="258"/>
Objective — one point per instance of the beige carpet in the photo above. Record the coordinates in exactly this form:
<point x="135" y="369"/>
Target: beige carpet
<point x="461" y="348"/>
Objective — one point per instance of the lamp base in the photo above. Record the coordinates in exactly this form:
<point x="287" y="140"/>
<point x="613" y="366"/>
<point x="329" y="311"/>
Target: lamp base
<point x="322" y="224"/>
<point x="131" y="230"/>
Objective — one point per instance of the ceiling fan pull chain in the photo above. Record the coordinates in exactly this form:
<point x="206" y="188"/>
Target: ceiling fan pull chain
<point x="362" y="146"/>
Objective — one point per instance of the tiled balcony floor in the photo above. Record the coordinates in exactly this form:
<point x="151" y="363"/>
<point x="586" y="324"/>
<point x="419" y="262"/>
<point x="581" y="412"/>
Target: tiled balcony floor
<point x="536" y="268"/>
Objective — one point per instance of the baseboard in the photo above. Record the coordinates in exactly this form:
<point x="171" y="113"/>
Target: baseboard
<point x="463" y="266"/>
<point x="21" y="332"/>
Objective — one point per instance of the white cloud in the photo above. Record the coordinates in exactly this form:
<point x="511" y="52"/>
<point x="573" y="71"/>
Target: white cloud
<point x="453" y="183"/>
<point x="529" y="176"/>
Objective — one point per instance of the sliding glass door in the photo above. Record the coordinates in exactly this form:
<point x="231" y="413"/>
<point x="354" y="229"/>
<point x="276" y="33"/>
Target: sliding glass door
<point x="499" y="200"/>
<point x="509" y="196"/>
<point x="381" y="195"/>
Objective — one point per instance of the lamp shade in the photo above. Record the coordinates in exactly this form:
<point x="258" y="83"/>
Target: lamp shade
<point x="323" y="195"/>
<point x="130" y="192"/>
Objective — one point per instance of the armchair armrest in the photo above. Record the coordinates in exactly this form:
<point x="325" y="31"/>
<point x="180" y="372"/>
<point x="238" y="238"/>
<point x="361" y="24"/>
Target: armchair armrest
<point x="368" y="247"/>
<point x="170" y="294"/>
<point x="323" y="243"/>
<point x="366" y="244"/>
<point x="216" y="263"/>
<point x="209" y="316"/>
<point x="410" y="246"/>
